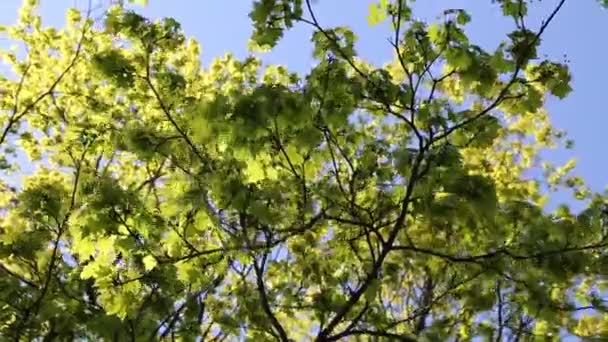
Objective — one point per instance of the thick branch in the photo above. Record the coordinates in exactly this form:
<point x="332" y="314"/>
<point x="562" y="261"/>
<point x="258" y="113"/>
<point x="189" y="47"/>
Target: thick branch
<point x="259" y="273"/>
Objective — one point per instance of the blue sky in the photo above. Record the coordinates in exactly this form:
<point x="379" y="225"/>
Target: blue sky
<point x="577" y="32"/>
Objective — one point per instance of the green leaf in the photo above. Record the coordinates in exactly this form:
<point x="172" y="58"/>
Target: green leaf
<point x="377" y="13"/>
<point x="150" y="262"/>
<point x="139" y="2"/>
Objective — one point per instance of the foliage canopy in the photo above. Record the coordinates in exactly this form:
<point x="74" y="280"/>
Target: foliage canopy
<point x="235" y="201"/>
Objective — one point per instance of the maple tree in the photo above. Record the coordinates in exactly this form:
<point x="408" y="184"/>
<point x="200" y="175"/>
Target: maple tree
<point x="240" y="202"/>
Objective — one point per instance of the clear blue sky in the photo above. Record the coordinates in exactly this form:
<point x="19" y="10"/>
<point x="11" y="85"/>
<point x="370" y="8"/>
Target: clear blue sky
<point x="577" y="31"/>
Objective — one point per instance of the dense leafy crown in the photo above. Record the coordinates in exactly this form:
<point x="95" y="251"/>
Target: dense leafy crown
<point x="240" y="202"/>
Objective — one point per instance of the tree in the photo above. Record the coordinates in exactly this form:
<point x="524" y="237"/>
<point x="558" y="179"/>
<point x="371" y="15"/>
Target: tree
<point x="173" y="201"/>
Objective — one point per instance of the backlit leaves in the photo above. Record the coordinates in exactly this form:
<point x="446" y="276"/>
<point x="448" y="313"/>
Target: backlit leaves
<point x="242" y="200"/>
